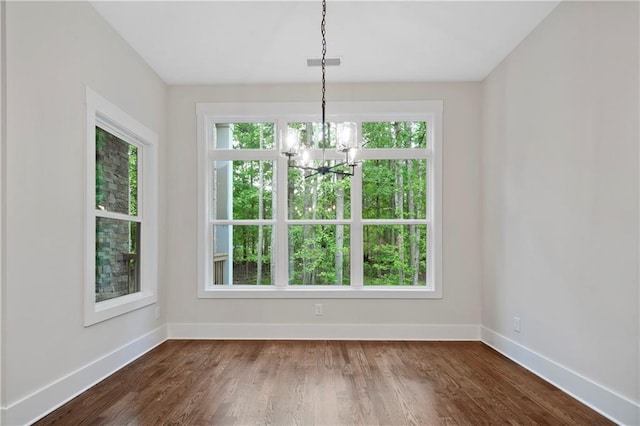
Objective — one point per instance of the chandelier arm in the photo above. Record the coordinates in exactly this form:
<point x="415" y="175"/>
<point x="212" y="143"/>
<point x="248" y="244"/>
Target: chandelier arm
<point x="337" y="165"/>
<point x="315" y="169"/>
<point x="333" y="172"/>
<point x="326" y="170"/>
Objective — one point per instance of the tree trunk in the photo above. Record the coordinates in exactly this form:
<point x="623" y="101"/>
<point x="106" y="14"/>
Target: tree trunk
<point x="246" y="254"/>
<point x="260" y="213"/>
<point x="339" y="230"/>
<point x="413" y="235"/>
<point x="314" y="204"/>
<point x="290" y="189"/>
<point x="399" y="178"/>
<point x="308" y="240"/>
<point x="274" y="202"/>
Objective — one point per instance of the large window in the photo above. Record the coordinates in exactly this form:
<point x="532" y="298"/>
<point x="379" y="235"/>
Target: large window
<point x="121" y="242"/>
<point x="269" y="230"/>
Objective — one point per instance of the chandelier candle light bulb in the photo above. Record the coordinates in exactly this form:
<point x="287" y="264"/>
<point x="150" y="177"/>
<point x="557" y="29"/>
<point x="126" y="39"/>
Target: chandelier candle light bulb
<point x="346" y="136"/>
<point x="306" y="161"/>
<point x="291" y="142"/>
<point x="351" y="157"/>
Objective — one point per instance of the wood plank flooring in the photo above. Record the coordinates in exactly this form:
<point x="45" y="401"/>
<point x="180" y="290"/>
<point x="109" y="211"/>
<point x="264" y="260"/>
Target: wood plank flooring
<point x="323" y="383"/>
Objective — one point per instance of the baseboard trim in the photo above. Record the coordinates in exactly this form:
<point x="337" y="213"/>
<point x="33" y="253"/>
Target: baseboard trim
<point x="37" y="405"/>
<point x="246" y="331"/>
<point x="606" y="402"/>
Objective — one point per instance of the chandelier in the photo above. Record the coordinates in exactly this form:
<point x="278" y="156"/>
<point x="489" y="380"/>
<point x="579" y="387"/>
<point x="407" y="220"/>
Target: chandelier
<point x="345" y="133"/>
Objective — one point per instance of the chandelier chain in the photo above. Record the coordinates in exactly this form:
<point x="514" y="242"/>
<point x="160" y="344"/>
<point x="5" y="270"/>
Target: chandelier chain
<point x="324" y="62"/>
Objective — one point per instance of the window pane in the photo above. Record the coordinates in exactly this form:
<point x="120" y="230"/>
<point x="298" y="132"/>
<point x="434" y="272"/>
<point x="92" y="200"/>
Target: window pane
<point x="318" y="197"/>
<point x="243" y="190"/>
<point x="394" y="189"/>
<point x="319" y="255"/>
<point x="117" y="258"/>
<point x="309" y="135"/>
<point x="394" y="134"/>
<point x="243" y="136"/>
<point x="395" y="255"/>
<point x="116" y="174"/>
<point x="243" y="254"/>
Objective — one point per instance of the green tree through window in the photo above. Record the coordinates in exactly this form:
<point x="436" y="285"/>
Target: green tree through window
<point x="392" y="190"/>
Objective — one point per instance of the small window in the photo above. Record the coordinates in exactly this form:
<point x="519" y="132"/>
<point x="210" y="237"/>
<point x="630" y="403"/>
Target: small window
<point x="121" y="258"/>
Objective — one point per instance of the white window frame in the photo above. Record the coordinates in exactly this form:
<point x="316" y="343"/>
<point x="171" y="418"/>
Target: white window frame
<point x="282" y="113"/>
<point x="109" y="117"/>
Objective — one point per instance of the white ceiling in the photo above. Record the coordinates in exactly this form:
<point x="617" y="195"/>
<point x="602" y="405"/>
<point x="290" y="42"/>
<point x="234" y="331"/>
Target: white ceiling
<point x="218" y="42"/>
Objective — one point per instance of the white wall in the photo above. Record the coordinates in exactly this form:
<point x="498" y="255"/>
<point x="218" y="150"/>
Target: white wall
<point x="53" y="50"/>
<point x="460" y="304"/>
<point x="560" y="194"/>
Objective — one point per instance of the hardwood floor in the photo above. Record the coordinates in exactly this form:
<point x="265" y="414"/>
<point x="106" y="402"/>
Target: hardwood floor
<point x="322" y="383"/>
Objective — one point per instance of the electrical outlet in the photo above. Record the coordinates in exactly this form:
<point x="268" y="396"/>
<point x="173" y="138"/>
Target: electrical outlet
<point x="157" y="312"/>
<point x="319" y="312"/>
<point x="516" y="324"/>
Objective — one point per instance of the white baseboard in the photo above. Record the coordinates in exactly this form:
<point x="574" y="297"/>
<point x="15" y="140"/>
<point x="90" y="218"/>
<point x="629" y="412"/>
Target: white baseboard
<point x="47" y="399"/>
<point x="611" y="405"/>
<point x="324" y="331"/>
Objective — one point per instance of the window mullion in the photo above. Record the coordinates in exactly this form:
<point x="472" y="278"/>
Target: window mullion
<point x="281" y="229"/>
<point x="429" y="189"/>
<point x="430" y="258"/>
<point x="119" y="216"/>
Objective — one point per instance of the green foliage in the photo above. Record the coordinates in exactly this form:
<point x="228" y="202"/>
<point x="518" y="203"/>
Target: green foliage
<point x="392" y="189"/>
<point x="385" y="263"/>
<point x="313" y="253"/>
<point x="317" y="197"/>
<point x="253" y="136"/>
<point x="133" y="180"/>
<point x="394" y="134"/>
<point x="247" y="189"/>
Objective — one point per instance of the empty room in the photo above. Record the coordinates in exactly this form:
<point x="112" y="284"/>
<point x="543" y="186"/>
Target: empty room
<point x="319" y="212"/>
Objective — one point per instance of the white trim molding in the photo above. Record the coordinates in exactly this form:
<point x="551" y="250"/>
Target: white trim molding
<point x="605" y="401"/>
<point x="275" y="331"/>
<point x="42" y="402"/>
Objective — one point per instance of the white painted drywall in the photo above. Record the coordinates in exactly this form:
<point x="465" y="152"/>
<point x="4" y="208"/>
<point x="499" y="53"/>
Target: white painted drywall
<point x="560" y="193"/>
<point x="460" y="304"/>
<point x="53" y="50"/>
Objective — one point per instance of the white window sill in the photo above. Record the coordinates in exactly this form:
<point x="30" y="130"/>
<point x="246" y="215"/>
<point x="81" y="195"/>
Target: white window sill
<point x="317" y="292"/>
<point x="121" y="305"/>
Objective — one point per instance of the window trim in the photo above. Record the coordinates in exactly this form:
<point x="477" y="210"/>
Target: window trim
<point x="102" y="113"/>
<point x="279" y="112"/>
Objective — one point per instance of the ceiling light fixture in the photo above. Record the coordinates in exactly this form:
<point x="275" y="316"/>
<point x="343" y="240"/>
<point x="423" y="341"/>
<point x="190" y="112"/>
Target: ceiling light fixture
<point x="346" y="138"/>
